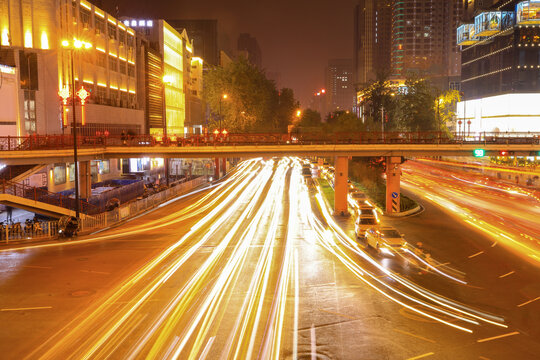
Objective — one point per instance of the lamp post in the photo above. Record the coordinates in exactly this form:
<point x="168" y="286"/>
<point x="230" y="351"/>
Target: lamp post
<point x="72" y="46"/>
<point x="222" y="97"/>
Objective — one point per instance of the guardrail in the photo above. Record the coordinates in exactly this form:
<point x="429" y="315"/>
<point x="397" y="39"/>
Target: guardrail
<point x="45" y="196"/>
<point x="17" y="231"/>
<point x="40" y="142"/>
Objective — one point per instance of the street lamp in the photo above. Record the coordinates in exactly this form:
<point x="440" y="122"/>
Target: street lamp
<point x="222" y="97"/>
<point x="71" y="47"/>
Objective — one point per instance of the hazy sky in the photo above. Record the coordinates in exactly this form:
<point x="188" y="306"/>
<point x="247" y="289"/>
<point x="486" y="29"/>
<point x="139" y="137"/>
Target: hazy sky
<point x="297" y="37"/>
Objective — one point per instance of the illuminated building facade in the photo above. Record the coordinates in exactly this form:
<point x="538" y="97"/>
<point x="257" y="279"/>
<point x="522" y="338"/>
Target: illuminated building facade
<point x="31" y="35"/>
<point x="372" y="40"/>
<point x="501" y="68"/>
<point x="423" y="38"/>
<point x="168" y="66"/>
<point x="340" y="84"/>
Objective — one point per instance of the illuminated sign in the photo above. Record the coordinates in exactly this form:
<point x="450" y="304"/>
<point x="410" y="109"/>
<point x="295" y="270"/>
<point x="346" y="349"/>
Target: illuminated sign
<point x="7" y="69"/>
<point x="479" y="152"/>
<point x="466" y="35"/>
<point x="528" y="12"/>
<point x="492" y="22"/>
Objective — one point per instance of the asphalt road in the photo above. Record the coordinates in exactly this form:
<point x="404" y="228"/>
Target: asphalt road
<point x="258" y="268"/>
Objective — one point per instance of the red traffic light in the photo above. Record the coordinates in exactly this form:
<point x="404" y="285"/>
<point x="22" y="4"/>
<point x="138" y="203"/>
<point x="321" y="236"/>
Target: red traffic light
<point x="503" y="153"/>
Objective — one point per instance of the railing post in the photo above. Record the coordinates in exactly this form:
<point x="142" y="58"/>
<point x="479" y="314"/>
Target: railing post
<point x="9" y="142"/>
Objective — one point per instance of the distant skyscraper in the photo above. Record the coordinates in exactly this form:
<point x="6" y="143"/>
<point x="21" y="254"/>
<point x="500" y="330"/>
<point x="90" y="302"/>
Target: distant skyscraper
<point x="423" y="37"/>
<point x="340" y="84"/>
<point x="204" y="34"/>
<point x="372" y="40"/>
<point x="249" y="45"/>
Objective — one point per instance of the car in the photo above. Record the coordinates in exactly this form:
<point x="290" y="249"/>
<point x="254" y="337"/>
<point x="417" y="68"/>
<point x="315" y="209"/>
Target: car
<point x="364" y="223"/>
<point x="358" y="198"/>
<point x="379" y="237"/>
<point x="306" y="172"/>
<point x="366" y="209"/>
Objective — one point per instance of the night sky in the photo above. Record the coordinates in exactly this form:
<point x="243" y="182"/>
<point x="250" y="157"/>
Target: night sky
<point x="297" y="37"/>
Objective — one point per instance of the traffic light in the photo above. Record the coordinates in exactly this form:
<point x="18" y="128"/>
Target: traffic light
<point x="506" y="153"/>
<point x="479" y="153"/>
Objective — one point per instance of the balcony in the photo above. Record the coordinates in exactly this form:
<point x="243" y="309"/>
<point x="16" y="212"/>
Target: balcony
<point x="466" y="35"/>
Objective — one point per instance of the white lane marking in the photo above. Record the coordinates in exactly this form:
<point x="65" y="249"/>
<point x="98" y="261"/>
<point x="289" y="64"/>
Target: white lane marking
<point x="498" y="337"/>
<point x="474" y="255"/>
<point x="313" y="343"/>
<point x="28" y="308"/>
<point x="528" y="302"/>
<point x="422" y="356"/>
<point x="37" y="267"/>
<point x="505" y="275"/>
<point x="296" y="298"/>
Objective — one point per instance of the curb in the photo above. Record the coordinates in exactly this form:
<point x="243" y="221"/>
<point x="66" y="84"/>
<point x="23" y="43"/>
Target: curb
<point x="415" y="211"/>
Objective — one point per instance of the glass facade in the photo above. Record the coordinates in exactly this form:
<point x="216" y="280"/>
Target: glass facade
<point x="466" y="35"/>
<point x="173" y="81"/>
<point x="528" y="12"/>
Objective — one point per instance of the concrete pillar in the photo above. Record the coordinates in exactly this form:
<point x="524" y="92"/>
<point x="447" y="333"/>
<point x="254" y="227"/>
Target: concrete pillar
<point x="224" y="166"/>
<point x="341" y="190"/>
<point x="216" y="169"/>
<point x="85" y="179"/>
<point x="393" y="194"/>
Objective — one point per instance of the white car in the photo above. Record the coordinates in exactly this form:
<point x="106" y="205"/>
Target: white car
<point x="364" y="223"/>
<point x="385" y="236"/>
<point x="366" y="210"/>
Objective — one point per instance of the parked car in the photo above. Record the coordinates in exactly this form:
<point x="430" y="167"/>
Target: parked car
<point x="385" y="236"/>
<point x="364" y="223"/>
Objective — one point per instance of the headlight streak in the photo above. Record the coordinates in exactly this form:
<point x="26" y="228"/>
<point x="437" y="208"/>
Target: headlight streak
<point x="85" y="321"/>
<point x="434" y="268"/>
<point x="346" y="240"/>
<point x="493" y="231"/>
<point x="273" y="335"/>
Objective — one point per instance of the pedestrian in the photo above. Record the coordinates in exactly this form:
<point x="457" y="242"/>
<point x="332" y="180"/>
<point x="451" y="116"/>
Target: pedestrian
<point x="9" y="216"/>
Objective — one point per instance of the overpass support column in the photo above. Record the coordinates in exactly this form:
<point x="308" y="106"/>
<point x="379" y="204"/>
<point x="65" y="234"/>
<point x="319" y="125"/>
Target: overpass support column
<point x="224" y="166"/>
<point x="85" y="180"/>
<point x="341" y="190"/>
<point x="216" y="169"/>
<point x="393" y="194"/>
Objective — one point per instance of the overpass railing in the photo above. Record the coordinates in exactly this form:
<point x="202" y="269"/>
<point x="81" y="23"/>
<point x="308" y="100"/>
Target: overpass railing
<point x="45" y="196"/>
<point x="39" y="142"/>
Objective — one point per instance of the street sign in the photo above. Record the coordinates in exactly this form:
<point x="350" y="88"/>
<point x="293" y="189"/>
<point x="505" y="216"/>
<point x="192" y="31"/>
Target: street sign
<point x="395" y="195"/>
<point x="479" y="152"/>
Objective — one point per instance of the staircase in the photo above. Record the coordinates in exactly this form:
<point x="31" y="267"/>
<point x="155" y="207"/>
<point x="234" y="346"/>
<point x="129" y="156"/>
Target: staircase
<point x="40" y="201"/>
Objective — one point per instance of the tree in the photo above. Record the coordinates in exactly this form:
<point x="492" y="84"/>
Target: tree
<point x="416" y="111"/>
<point x="252" y="102"/>
<point x="447" y="107"/>
<point x="286" y="109"/>
<point x="310" y="118"/>
<point x="344" y="121"/>
<point x="379" y="97"/>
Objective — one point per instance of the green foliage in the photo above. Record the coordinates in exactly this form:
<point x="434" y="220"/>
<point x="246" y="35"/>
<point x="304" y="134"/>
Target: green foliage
<point x="447" y="107"/>
<point x="310" y="118"/>
<point x="252" y="103"/>
<point x="416" y="111"/>
<point x="379" y="97"/>
<point x="343" y="121"/>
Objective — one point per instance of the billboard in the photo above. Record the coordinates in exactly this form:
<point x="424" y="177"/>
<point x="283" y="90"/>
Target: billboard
<point x="528" y="12"/>
<point x="492" y="22"/>
<point x="466" y="35"/>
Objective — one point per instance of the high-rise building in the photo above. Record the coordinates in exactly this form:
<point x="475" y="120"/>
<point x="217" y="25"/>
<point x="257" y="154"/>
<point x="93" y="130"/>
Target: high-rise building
<point x="204" y="34"/>
<point x="500" y="42"/>
<point x="340" y="84"/>
<point x="423" y="38"/>
<point x="249" y="45"/>
<point x="372" y="40"/>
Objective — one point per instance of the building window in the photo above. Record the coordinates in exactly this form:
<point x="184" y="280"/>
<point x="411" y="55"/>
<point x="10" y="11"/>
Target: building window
<point x="30" y="111"/>
<point x="123" y="67"/>
<point x="124" y="99"/>
<point x="104" y="167"/>
<point x="71" y="168"/>
<point x="114" y="97"/>
<point x="101" y="59"/>
<point x="101" y="94"/>
<point x="100" y="25"/>
<point x="85" y="17"/>
<point x="121" y="36"/>
<point x="112" y="31"/>
<point x="59" y="174"/>
<point x="131" y="70"/>
<point x="130" y="40"/>
<point x="113" y="63"/>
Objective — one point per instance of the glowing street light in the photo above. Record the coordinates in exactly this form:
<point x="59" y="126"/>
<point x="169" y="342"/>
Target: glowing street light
<point x="223" y="97"/>
<point x="72" y="46"/>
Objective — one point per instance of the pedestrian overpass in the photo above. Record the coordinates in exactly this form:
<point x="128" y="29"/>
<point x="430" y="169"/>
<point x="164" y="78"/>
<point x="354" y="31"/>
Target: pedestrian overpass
<point x="392" y="145"/>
